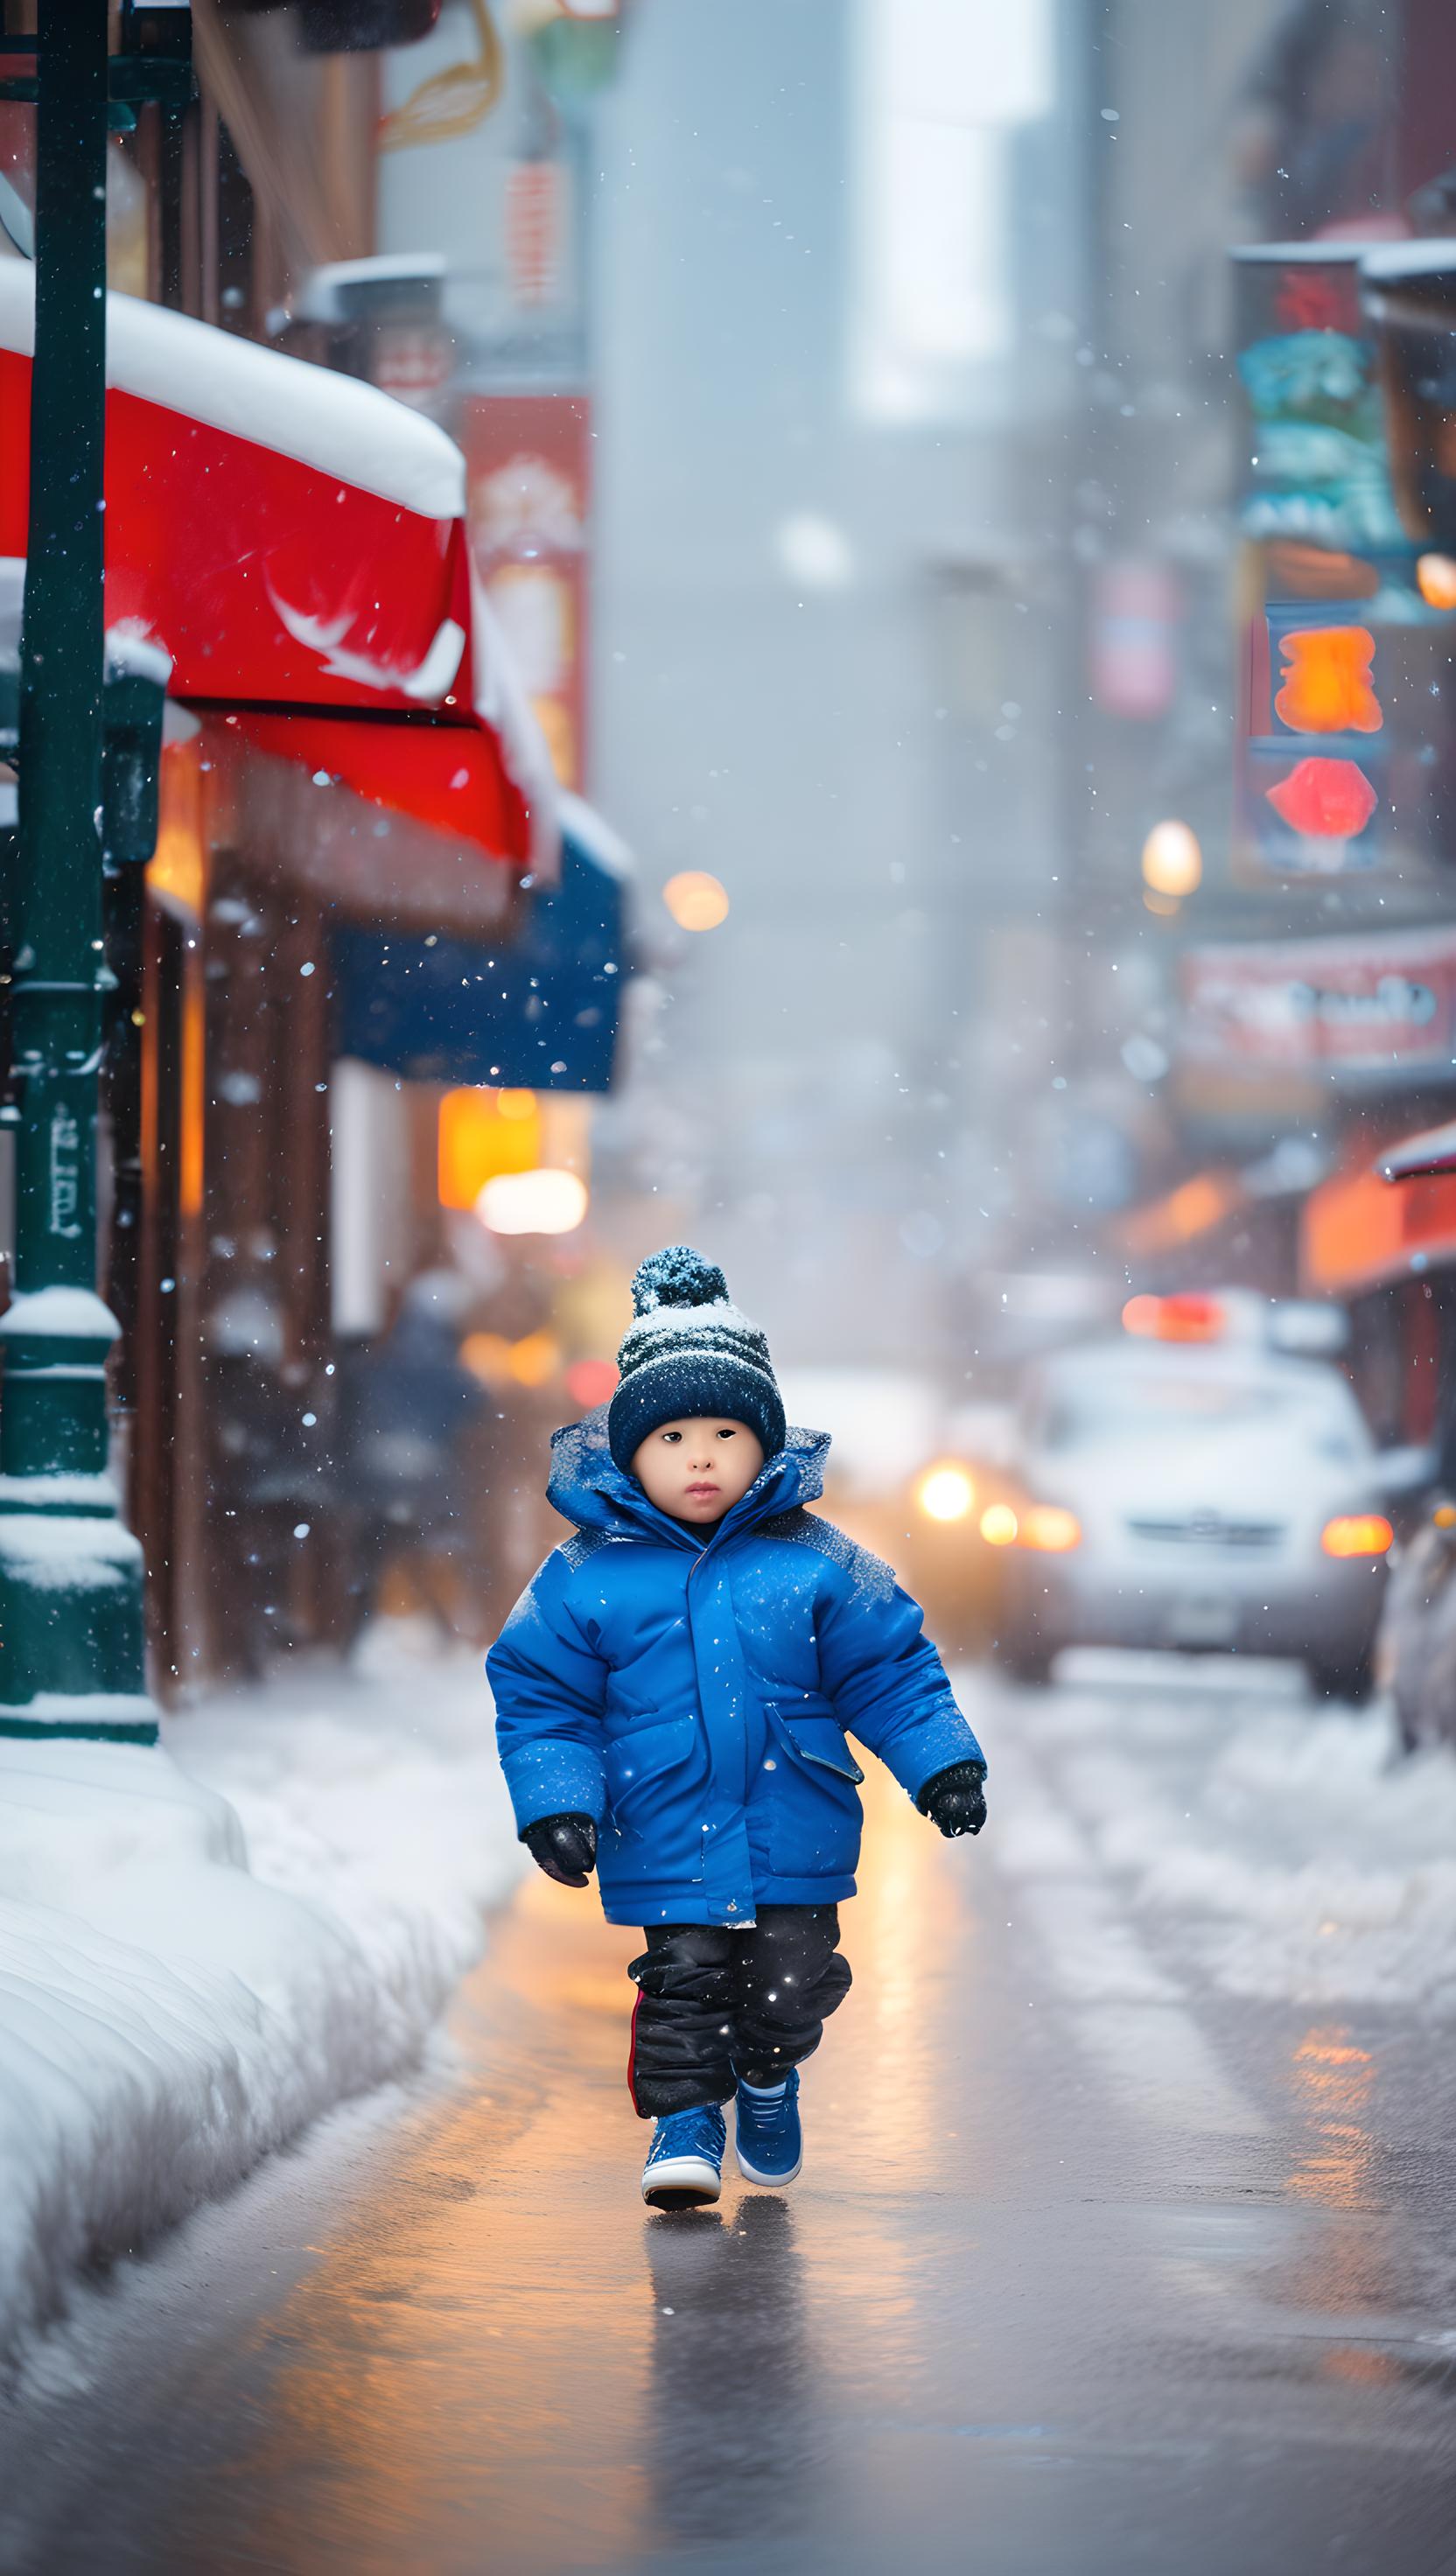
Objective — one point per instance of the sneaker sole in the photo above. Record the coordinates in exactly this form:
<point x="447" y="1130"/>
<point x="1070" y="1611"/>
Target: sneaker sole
<point x="770" y="2181"/>
<point x="681" y="2182"/>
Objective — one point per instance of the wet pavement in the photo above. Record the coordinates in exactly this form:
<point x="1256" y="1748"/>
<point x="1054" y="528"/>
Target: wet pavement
<point x="1089" y="2269"/>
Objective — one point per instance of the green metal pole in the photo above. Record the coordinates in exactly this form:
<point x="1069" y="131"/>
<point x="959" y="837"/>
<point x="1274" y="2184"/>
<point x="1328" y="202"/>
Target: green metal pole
<point x="71" y="1655"/>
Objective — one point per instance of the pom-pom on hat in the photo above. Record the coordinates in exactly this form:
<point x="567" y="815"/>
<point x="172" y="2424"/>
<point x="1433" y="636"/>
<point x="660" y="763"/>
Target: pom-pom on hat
<point x="690" y="1355"/>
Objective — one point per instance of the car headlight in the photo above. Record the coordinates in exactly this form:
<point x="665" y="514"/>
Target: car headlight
<point x="1050" y="1528"/>
<point x="1357" y="1534"/>
<point x="999" y="1525"/>
<point x="946" y="1492"/>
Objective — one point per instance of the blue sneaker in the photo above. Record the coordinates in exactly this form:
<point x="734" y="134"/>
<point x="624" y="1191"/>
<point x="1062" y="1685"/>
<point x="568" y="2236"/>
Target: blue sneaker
<point x="685" y="2166"/>
<point x="767" y="2139"/>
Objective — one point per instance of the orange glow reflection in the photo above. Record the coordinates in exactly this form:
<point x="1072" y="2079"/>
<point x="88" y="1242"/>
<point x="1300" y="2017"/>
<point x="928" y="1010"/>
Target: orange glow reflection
<point x="1344" y="2267"/>
<point x="428" y="2358"/>
<point x="1050" y="1529"/>
<point x="1334" y="2081"/>
<point x="500" y="2360"/>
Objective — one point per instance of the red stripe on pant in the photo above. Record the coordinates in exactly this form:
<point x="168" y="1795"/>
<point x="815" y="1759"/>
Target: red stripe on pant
<point x="632" y="2059"/>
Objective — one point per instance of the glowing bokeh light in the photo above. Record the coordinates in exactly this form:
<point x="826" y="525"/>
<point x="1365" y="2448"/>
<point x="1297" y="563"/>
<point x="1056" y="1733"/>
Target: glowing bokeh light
<point x="1436" y="580"/>
<point x="946" y="1493"/>
<point x="1357" y="1534"/>
<point x="1050" y="1528"/>
<point x="696" y="900"/>
<point x="590" y="1382"/>
<point x="1172" y="859"/>
<point x="1186" y="1316"/>
<point x="539" y="1202"/>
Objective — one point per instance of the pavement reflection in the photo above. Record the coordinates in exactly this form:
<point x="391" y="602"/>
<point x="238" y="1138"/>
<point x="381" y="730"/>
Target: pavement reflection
<point x="1015" y="2315"/>
<point x="502" y="2310"/>
<point x="452" y="2341"/>
<point x="1349" y="2266"/>
<point x="732" y="2404"/>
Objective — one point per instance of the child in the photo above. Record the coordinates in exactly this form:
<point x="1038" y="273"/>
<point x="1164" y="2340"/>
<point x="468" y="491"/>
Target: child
<point x="672" y="1693"/>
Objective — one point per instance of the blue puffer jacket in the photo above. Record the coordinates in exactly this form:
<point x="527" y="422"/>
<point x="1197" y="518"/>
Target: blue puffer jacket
<point x="694" y="1699"/>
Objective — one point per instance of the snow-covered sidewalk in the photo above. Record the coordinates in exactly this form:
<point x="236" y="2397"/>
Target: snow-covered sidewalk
<point x="203" y="1948"/>
<point x="1281" y="1845"/>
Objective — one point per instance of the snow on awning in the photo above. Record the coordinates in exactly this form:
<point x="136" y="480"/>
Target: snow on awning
<point x="295" y="541"/>
<point x="1428" y="1156"/>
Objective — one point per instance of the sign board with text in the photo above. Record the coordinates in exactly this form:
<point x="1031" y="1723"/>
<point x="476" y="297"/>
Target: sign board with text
<point x="1364" y="1011"/>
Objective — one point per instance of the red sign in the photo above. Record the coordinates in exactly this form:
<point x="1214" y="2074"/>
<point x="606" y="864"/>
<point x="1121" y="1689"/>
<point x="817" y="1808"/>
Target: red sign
<point x="528" y="469"/>
<point x="1324" y="799"/>
<point x="1384" y="1005"/>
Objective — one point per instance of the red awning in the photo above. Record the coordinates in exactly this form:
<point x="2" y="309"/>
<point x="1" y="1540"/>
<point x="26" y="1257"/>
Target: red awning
<point x="1357" y="1233"/>
<point x="434" y="772"/>
<point x="296" y="542"/>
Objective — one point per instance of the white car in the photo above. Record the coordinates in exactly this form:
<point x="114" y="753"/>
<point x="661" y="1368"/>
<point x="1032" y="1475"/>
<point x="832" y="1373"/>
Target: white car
<point x="1205" y="1495"/>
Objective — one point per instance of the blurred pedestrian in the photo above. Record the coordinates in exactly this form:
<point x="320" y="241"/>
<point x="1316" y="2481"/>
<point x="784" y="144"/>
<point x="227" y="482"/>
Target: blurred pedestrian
<point x="409" y="1406"/>
<point x="672" y="1693"/>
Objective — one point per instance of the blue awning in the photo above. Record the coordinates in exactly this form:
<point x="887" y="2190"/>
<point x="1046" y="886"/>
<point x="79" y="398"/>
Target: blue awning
<point x="540" y="1013"/>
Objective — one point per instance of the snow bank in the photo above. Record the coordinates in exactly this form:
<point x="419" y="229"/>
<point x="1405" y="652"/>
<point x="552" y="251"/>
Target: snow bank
<point x="203" y="1947"/>
<point x="1304" y="1858"/>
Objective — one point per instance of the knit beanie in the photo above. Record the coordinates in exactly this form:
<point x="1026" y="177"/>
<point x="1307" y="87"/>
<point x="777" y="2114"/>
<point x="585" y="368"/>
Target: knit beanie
<point x="690" y="1355"/>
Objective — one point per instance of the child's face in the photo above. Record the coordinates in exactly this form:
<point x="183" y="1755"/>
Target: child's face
<point x="697" y="1470"/>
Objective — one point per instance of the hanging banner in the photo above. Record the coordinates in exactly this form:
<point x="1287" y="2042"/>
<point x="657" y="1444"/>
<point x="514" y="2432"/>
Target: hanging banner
<point x="528" y="476"/>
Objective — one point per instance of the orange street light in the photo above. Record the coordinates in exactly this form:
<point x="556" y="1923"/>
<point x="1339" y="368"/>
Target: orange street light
<point x="696" y="900"/>
<point x="1172" y="859"/>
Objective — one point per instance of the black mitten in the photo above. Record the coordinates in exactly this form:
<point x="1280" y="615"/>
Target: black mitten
<point x="564" y="1846"/>
<point x="956" y="1799"/>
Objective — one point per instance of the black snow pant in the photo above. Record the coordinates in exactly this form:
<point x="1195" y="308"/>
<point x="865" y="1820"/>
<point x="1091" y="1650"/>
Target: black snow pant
<point x="714" y="2004"/>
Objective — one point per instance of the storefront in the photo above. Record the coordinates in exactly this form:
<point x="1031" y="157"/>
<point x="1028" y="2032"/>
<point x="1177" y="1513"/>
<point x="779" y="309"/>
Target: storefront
<point x="1347" y="1043"/>
<point x="359" y="857"/>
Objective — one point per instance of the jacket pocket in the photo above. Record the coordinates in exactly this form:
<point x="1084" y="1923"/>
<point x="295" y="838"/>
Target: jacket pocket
<point x="818" y="1740"/>
<point x="652" y="1827"/>
<point x="814" y="1810"/>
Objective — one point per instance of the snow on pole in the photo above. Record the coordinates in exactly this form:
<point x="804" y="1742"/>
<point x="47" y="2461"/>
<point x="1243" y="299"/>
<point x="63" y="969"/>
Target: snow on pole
<point x="71" y="1651"/>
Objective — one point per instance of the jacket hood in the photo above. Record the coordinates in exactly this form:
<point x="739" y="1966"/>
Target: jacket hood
<point x="588" y="1487"/>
